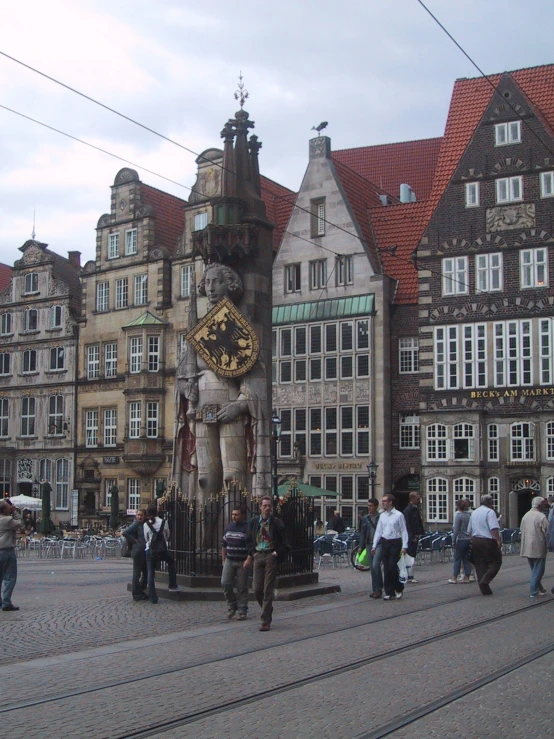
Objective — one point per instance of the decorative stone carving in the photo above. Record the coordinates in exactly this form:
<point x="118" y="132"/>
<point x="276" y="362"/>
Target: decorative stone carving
<point x="506" y="217"/>
<point x="329" y="393"/>
<point x="314" y="394"/>
<point x="57" y="287"/>
<point x="282" y="395"/>
<point x="362" y="391"/>
<point x="6" y="296"/>
<point x="89" y="267"/>
<point x="144" y="211"/>
<point x="24" y="470"/>
<point x="104" y="220"/>
<point x="33" y="254"/>
<point x="346" y="392"/>
<point x="320" y="147"/>
<point x="156" y="253"/>
<point x="125" y="175"/>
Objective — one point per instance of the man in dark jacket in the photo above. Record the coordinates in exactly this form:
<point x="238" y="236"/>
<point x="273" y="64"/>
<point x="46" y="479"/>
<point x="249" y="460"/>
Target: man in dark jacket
<point x="10" y="523"/>
<point x="367" y="532"/>
<point x="267" y="547"/>
<point x="414" y="524"/>
<point x="337" y="524"/>
<point x="136" y="541"/>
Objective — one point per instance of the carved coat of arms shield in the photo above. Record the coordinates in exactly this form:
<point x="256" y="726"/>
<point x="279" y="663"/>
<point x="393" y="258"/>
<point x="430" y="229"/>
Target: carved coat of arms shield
<point x="225" y="340"/>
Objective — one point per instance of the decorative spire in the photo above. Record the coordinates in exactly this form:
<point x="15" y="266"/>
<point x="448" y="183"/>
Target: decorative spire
<point x="241" y="94"/>
<point x="33" y="234"/>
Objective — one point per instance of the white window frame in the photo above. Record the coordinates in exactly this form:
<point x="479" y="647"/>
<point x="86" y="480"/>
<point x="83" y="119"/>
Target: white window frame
<point x="110" y="427"/>
<point x="91" y="428"/>
<point x="362" y="430"/>
<point x="318" y="274"/>
<point x="488" y="272"/>
<point x="131" y="242"/>
<point x="285" y="372"/>
<point x="408" y="355"/>
<point x="330" y="444"/>
<point x="110" y="359"/>
<point x="460" y="356"/>
<point x="140" y="289"/>
<point x="200" y="221"/>
<point x="4" y="418"/>
<point x="522" y="442"/>
<point x="152" y="419"/>
<point x="28" y="417"/>
<point x="345" y="269"/>
<point x="55" y="415"/>
<point x="93" y="362"/>
<point x="5" y="364"/>
<point x="472" y="194"/>
<point x="315" y="421"/>
<point x="509" y="189"/>
<point x="547" y="184"/>
<point x="463" y="432"/>
<point x="135" y="354"/>
<point x="153" y="353"/>
<point x="30" y="362"/>
<point x="109" y="483"/>
<point x="285" y="342"/>
<point x="549" y="440"/>
<point x="30" y="285"/>
<point x="285" y="443"/>
<point x="133" y="493"/>
<point x="57" y="359"/>
<point x="102" y="297"/>
<point x="533" y="267"/>
<point x="464" y="488"/>
<point x="409" y="431"/>
<point x="6" y="324"/>
<point x="45" y="470"/>
<point x="62" y="484"/>
<point x="56" y="316"/>
<point x="513" y="360"/>
<point x="437" y="500"/>
<point x="293" y="278"/>
<point x="121" y="293"/>
<point x="437" y="442"/>
<point x="135" y="419"/>
<point x="493" y="451"/>
<point x="455" y="276"/>
<point x="300" y="351"/>
<point x="113" y="246"/>
<point x="187" y="272"/>
<point x="347" y="429"/>
<point x="507" y="133"/>
<point x="30" y="320"/>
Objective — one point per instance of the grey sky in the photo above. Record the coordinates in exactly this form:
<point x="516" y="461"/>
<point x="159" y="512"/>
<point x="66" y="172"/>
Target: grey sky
<point x="377" y="70"/>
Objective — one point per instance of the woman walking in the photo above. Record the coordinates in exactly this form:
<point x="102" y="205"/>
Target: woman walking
<point x="461" y="542"/>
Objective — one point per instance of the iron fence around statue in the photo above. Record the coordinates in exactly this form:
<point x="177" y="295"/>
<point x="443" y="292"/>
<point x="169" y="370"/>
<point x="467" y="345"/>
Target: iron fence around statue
<point x="197" y="530"/>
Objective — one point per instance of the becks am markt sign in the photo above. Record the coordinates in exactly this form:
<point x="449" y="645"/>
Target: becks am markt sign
<point x="513" y="392"/>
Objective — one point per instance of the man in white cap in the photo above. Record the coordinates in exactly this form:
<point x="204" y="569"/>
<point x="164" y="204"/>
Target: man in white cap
<point x="534" y="526"/>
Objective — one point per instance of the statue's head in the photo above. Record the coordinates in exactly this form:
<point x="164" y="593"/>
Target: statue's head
<point x="219" y="281"/>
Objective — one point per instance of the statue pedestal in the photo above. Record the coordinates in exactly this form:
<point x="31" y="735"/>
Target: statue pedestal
<point x="287" y="587"/>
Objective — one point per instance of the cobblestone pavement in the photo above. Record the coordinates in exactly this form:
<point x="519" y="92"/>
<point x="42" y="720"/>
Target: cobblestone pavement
<point x="79" y="638"/>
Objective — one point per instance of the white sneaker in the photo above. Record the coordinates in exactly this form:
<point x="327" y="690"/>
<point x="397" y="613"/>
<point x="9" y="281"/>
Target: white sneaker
<point x="399" y="595"/>
<point x="413" y="581"/>
<point x="386" y="597"/>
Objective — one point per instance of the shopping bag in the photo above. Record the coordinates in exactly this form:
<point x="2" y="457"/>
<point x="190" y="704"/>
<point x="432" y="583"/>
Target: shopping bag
<point x="363" y="558"/>
<point x="409" y="560"/>
<point x="402" y="569"/>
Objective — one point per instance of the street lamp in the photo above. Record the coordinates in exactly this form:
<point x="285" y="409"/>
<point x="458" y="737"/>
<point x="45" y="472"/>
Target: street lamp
<point x="372" y="472"/>
<point x="276" y="436"/>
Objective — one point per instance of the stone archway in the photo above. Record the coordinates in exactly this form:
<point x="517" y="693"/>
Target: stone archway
<point x="520" y="499"/>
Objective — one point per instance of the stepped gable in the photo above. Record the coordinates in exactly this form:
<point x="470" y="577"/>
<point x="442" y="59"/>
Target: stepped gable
<point x="470" y="98"/>
<point x="390" y="165"/>
<point x="170" y="215"/>
<point x="279" y="202"/>
<point x="398" y="229"/>
<point x="361" y="195"/>
<point x="5" y="276"/>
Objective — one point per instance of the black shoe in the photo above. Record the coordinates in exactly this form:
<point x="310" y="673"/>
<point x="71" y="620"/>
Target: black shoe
<point x="154" y="600"/>
<point x="11" y="607"/>
<point x="142" y="596"/>
<point x="485" y="589"/>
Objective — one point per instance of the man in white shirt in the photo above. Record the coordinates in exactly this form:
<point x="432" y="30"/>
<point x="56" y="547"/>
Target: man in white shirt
<point x="486" y="543"/>
<point x="392" y="534"/>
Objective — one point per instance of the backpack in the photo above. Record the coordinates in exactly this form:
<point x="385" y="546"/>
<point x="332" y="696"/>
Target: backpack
<point x="158" y="544"/>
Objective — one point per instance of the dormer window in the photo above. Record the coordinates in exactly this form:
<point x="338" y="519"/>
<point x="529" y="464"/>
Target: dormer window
<point x="31" y="283"/>
<point x="507" y="133"/>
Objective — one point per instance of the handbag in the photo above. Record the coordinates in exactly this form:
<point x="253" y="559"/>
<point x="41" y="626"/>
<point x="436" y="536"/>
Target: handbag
<point x="126" y="548"/>
<point x="363" y="558"/>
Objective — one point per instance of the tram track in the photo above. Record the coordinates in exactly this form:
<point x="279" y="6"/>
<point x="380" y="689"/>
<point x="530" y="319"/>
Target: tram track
<point x="195" y="716"/>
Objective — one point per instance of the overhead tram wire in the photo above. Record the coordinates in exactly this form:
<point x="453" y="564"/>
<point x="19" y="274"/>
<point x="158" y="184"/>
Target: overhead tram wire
<point x="145" y="169"/>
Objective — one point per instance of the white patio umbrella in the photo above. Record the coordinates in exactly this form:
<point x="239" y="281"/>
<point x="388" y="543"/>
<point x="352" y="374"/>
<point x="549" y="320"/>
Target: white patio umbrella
<point x="25" y="501"/>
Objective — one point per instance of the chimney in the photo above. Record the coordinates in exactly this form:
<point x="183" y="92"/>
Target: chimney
<point x="74" y="258"/>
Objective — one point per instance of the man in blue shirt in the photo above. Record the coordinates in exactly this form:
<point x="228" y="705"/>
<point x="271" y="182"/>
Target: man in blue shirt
<point x="234" y="552"/>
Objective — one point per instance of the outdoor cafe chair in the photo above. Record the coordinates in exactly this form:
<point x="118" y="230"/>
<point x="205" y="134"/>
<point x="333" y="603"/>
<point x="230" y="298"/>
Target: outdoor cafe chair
<point x="325" y="550"/>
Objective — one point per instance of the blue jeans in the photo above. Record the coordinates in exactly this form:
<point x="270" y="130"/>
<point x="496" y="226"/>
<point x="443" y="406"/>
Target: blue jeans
<point x="376" y="571"/>
<point x="8" y="574"/>
<point x="537" y="572"/>
<point x="461" y="556"/>
<point x="232" y="569"/>
<point x="151" y="561"/>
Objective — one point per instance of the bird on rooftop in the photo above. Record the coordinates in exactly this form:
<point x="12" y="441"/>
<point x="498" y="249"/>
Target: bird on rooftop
<point x="321" y="126"/>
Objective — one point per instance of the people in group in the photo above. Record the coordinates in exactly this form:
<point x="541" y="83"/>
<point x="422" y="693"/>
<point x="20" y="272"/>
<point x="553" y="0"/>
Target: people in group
<point x="337" y="524"/>
<point x="267" y="547"/>
<point x="10" y="523"/>
<point x="367" y="532"/>
<point x="486" y="544"/>
<point x="392" y="534"/>
<point x="534" y="527"/>
<point x="234" y="551"/>
<point x="414" y="524"/>
<point x="156" y="534"/>
<point x="134" y="534"/>
<point x="461" y="542"/>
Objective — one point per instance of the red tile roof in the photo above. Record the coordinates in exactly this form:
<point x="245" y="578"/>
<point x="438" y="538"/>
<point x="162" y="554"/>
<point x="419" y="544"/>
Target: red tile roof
<point x="5" y="276"/>
<point x="279" y="202"/>
<point x="390" y="165"/>
<point x="397" y="230"/>
<point x="170" y="216"/>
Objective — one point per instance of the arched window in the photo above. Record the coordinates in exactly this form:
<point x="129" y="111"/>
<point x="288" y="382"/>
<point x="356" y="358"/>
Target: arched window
<point x="494" y="492"/>
<point x="464" y="487"/>
<point x="523" y="442"/>
<point x="437" y="500"/>
<point x="464" y="442"/>
<point x="62" y="483"/>
<point x="492" y="442"/>
<point x="436" y="442"/>
<point x="550" y="440"/>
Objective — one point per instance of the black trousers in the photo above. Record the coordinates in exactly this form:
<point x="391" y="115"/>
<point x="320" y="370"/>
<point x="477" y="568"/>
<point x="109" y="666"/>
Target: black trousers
<point x="487" y="557"/>
<point x="391" y="549"/>
<point x="140" y="574"/>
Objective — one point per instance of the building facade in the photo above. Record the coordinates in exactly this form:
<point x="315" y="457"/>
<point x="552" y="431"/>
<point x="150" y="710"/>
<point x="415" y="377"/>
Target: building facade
<point x="39" y="314"/>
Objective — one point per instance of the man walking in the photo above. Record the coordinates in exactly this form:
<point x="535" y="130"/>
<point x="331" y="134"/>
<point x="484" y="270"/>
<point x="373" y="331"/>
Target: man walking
<point x="367" y="533"/>
<point x="534" y="526"/>
<point x="486" y="544"/>
<point x="134" y="534"/>
<point x="392" y="534"/>
<point x="10" y="523"/>
<point x="234" y="552"/>
<point x="414" y="524"/>
<point x="267" y="547"/>
<point x="156" y="534"/>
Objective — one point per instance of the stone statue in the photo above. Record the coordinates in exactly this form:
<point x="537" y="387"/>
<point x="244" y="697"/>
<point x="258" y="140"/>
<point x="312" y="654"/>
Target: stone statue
<point x="218" y="416"/>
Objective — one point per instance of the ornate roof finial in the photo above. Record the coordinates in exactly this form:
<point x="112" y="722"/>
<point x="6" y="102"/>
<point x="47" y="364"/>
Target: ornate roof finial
<point x="33" y="234"/>
<point x="241" y="94"/>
